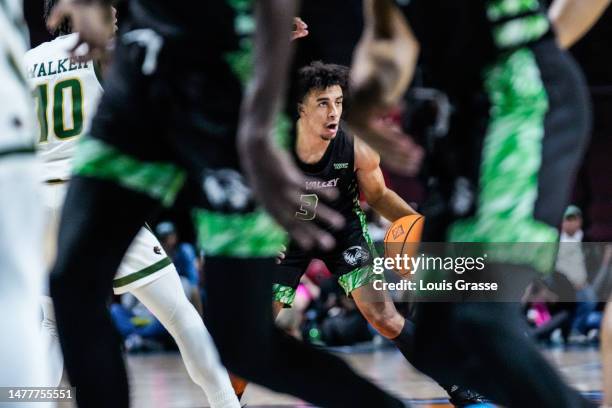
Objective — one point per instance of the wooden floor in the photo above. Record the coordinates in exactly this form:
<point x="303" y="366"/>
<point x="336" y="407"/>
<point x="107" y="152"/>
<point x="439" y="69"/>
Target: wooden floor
<point x="160" y="380"/>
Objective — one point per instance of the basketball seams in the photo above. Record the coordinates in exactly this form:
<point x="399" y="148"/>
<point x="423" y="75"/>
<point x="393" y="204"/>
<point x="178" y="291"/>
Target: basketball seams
<point x="406" y="235"/>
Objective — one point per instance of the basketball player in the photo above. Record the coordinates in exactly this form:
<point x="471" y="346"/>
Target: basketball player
<point x="324" y="150"/>
<point x="169" y="116"/>
<point x="517" y="137"/>
<point x="67" y="95"/>
<point x="21" y="214"/>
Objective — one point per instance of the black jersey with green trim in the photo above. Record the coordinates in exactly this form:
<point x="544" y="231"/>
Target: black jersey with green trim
<point x="459" y="38"/>
<point x="208" y="48"/>
<point x="336" y="169"/>
<point x="211" y="22"/>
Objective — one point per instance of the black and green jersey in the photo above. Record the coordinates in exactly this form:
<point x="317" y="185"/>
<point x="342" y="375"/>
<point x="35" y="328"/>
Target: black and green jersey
<point x="459" y="38"/>
<point x="214" y="35"/>
<point x="336" y="169"/>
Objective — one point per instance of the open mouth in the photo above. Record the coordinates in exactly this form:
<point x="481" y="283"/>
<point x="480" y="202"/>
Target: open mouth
<point x="332" y="126"/>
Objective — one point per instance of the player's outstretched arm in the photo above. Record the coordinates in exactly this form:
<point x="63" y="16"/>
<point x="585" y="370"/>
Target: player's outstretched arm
<point x="383" y="65"/>
<point x="275" y="179"/>
<point x="572" y="19"/>
<point x="383" y="200"/>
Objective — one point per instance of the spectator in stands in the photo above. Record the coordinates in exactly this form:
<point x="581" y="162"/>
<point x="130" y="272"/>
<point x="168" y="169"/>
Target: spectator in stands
<point x="571" y="263"/>
<point x="138" y="327"/>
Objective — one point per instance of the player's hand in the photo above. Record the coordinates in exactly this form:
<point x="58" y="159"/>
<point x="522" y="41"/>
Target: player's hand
<point x="92" y="20"/>
<point x="398" y="152"/>
<point x="300" y="29"/>
<point x="281" y="254"/>
<point x="383" y="64"/>
<point x="278" y="184"/>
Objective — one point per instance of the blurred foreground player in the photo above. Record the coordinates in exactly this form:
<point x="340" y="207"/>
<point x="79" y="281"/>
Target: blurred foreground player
<point x="518" y="135"/>
<point x="67" y="95"/>
<point x="21" y="214"/>
<point x="170" y="117"/>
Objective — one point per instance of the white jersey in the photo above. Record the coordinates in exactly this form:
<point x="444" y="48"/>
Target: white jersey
<point x="67" y="95"/>
<point x="17" y="122"/>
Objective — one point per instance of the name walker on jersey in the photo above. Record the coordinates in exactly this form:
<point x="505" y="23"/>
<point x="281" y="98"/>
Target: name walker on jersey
<point x="54" y="67"/>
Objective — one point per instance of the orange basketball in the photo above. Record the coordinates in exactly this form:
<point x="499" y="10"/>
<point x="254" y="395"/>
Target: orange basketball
<point x="403" y="236"/>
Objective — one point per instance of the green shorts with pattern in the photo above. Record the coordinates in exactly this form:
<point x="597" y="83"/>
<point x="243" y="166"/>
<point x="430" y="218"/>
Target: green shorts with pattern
<point x="350" y="262"/>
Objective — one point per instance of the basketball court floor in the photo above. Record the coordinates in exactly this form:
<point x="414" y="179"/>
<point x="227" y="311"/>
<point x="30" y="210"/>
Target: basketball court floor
<point x="160" y="381"/>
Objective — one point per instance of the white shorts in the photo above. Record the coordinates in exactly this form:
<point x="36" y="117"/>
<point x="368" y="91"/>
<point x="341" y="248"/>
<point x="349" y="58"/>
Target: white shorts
<point x="144" y="261"/>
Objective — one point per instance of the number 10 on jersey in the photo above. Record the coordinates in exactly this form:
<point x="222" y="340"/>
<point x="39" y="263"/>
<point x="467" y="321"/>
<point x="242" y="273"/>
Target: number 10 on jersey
<point x="66" y="96"/>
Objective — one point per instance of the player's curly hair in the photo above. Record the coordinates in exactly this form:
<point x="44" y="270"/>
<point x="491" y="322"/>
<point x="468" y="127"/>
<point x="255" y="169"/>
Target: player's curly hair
<point x="318" y="75"/>
<point x="64" y="28"/>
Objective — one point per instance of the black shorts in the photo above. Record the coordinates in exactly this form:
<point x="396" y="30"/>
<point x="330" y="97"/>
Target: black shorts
<point x="167" y="119"/>
<point x="351" y="262"/>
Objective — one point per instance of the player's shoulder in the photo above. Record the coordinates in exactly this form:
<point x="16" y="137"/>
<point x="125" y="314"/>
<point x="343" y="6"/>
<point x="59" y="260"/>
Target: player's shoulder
<point x="59" y="46"/>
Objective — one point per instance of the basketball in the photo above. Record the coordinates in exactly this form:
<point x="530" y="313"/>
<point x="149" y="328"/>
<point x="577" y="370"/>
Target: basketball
<point x="402" y="236"/>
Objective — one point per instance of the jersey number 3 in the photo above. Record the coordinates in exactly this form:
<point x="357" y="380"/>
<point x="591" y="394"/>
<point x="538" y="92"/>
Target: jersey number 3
<point x="308" y="207"/>
<point x="67" y="97"/>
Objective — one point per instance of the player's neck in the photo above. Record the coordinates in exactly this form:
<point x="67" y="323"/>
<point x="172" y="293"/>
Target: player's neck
<point x="309" y="146"/>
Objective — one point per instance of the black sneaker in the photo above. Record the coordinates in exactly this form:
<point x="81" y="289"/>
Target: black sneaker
<point x="461" y="397"/>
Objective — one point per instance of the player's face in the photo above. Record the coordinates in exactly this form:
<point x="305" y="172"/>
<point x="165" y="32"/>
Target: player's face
<point x="321" y="110"/>
<point x="571" y="224"/>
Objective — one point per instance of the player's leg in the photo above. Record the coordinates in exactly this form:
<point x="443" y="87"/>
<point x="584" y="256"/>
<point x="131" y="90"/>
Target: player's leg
<point x="21" y="215"/>
<point x="238" y="383"/>
<point x="165" y="298"/>
<point x="287" y="274"/>
<point x="379" y="310"/>
<point x="356" y="276"/>
<point x="99" y="221"/>
<point x="280" y="363"/>
<point x="242" y="246"/>
<point x="474" y="353"/>
<point x="21" y="271"/>
<point x="606" y="354"/>
<point x="51" y="342"/>
<point x="125" y="172"/>
<point x="53" y="198"/>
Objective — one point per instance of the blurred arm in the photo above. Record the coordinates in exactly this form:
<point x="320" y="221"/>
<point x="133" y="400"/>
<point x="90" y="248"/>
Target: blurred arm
<point x="272" y="53"/>
<point x="383" y="200"/>
<point x="572" y="19"/>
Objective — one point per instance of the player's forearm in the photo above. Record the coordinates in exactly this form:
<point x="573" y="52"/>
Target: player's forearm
<point x="572" y="19"/>
<point x="272" y="54"/>
<point x="391" y="206"/>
